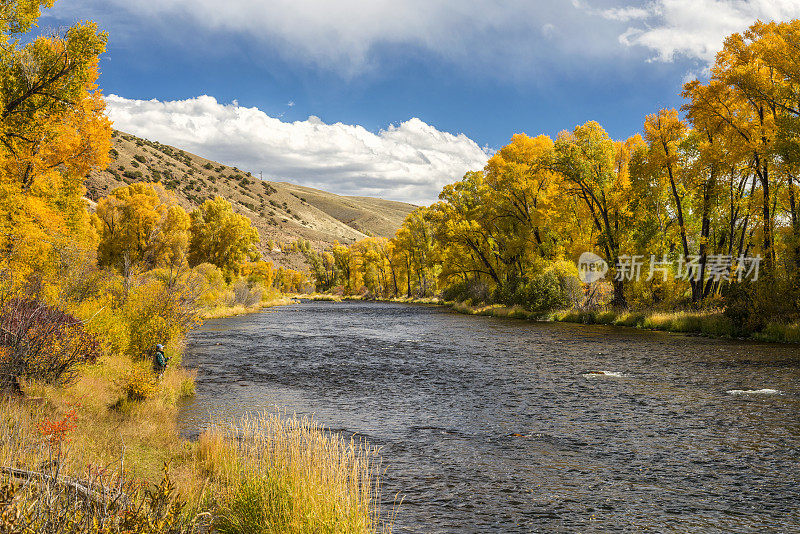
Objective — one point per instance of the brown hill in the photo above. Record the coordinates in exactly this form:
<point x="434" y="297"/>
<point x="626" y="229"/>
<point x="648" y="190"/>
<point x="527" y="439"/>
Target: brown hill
<point x="282" y="212"/>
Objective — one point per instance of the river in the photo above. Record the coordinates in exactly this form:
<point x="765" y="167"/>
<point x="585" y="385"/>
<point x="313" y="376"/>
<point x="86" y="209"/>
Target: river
<point x="500" y="425"/>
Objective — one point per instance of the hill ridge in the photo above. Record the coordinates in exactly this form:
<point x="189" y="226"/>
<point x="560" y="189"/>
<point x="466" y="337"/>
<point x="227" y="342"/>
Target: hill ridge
<point x="282" y="212"/>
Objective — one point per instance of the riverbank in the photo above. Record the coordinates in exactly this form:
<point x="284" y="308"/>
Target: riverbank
<point x="116" y="426"/>
<point x="710" y="323"/>
<point x="240" y="309"/>
<point x="326" y="297"/>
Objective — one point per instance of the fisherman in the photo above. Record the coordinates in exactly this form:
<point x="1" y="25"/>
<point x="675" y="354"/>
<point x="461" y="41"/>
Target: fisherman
<point x="160" y="361"/>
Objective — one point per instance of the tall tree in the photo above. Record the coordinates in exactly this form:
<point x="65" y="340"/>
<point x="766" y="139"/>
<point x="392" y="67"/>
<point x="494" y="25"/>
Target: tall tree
<point x="141" y="225"/>
<point x="53" y="130"/>
<point x="221" y="237"/>
<point x="596" y="171"/>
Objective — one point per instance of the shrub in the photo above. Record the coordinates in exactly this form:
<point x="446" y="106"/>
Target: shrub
<point x="47" y="503"/>
<point x="213" y="290"/>
<point x="472" y="290"/>
<point x="157" y="311"/>
<point x="752" y="306"/>
<point x="245" y="294"/>
<point x="137" y="384"/>
<point x="41" y="342"/>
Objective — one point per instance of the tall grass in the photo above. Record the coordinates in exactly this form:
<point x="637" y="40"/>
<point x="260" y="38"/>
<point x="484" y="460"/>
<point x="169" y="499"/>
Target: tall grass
<point x="222" y="310"/>
<point x="707" y="322"/>
<point x="48" y="483"/>
<point x="779" y="332"/>
<point x="291" y="476"/>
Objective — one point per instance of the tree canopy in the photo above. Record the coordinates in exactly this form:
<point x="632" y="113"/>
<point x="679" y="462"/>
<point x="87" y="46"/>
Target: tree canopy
<point x="221" y="237"/>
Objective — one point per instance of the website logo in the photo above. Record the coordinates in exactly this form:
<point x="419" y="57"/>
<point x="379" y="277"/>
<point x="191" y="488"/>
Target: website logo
<point x="591" y="268"/>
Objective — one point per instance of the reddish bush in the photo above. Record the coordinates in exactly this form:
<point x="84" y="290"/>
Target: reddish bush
<point x="41" y="342"/>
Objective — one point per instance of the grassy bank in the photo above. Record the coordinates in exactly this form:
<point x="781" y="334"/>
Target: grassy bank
<point x="399" y="300"/>
<point x="115" y="428"/>
<point x="218" y="312"/>
<point x="279" y="475"/>
<point x="711" y="323"/>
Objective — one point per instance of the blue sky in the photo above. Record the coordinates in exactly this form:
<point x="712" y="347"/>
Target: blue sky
<point x="395" y="99"/>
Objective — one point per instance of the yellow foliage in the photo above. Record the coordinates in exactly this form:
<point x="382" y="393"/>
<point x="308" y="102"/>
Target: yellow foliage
<point x="141" y="224"/>
<point x="221" y="237"/>
<point x="50" y="138"/>
<point x="137" y="384"/>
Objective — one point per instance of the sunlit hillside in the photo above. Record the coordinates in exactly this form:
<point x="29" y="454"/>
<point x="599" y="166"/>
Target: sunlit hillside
<point x="282" y="212"/>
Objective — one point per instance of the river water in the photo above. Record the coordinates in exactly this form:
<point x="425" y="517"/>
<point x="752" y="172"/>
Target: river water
<point x="499" y="425"/>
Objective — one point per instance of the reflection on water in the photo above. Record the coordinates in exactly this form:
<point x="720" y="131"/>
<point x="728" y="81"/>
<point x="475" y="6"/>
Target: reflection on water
<point x="500" y="425"/>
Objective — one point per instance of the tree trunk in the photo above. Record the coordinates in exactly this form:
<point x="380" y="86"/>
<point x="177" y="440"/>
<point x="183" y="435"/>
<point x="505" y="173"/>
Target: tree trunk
<point x="619" y="295"/>
<point x="705" y="231"/>
<point x="795" y="231"/>
<point x="766" y="212"/>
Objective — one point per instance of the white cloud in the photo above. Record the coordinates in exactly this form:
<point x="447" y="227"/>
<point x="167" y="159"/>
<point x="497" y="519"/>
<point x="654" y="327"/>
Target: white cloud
<point x="514" y="37"/>
<point x="410" y="161"/>
<point x="349" y="36"/>
<point x="695" y="28"/>
<point x="626" y="13"/>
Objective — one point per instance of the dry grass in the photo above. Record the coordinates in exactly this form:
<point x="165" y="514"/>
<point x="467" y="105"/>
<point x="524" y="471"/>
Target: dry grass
<point x="107" y="423"/>
<point x="268" y="475"/>
<point x="494" y="310"/>
<point x="238" y="309"/>
<point x="290" y="475"/>
<point x="53" y="481"/>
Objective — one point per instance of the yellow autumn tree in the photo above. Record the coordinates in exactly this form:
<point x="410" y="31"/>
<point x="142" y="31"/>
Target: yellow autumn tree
<point x="596" y="171"/>
<point x="141" y="226"/>
<point x="53" y="130"/>
<point x="221" y="237"/>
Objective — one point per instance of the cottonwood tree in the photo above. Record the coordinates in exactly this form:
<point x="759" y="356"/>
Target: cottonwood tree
<point x="53" y="130"/>
<point x="596" y="171"/>
<point x="140" y="225"/>
<point x="221" y="237"/>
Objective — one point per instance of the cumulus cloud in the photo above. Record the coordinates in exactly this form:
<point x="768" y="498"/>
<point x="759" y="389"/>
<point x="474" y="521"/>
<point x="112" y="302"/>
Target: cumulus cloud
<point x="409" y="162"/>
<point x="694" y="28"/>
